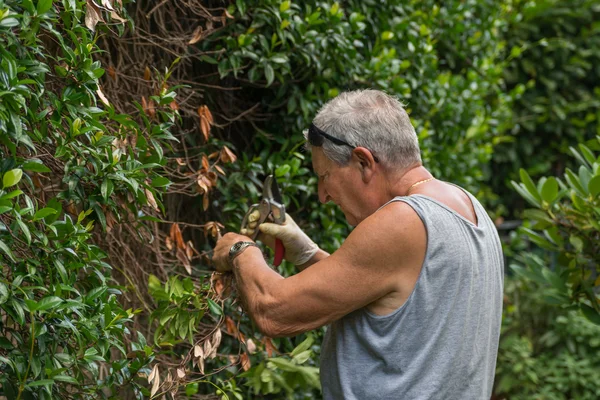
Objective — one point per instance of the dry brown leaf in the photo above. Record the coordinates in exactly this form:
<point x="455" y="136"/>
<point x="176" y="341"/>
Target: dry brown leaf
<point x="156" y="383"/>
<point x="245" y="361"/>
<point x="205" y="128"/>
<point x="196" y="36"/>
<point x="115" y="16"/>
<point x="181" y="256"/>
<point x="174" y="106"/>
<point x="212" y="177"/>
<point x="230" y="326"/>
<point x="216" y="339"/>
<point x="180" y="161"/>
<point x="176" y="236"/>
<point x="251" y="346"/>
<point x="201" y="365"/>
<point x="205" y="201"/>
<point x="144" y="105"/>
<point x="169" y="243"/>
<point x="92" y="15"/>
<point x="151" y="109"/>
<point x="107" y="4"/>
<point x="111" y="72"/>
<point x="213" y="155"/>
<point x="147" y="73"/>
<point x="151" y="200"/>
<point x="227" y="155"/>
<point x="220" y="170"/>
<point x="209" y="25"/>
<point x="207" y="347"/>
<point x="228" y="15"/>
<point x="153" y="374"/>
<point x="102" y="96"/>
<point x="189" y="250"/>
<point x="205" y="163"/>
<point x="180" y="373"/>
<point x="198" y="351"/>
<point x="269" y="346"/>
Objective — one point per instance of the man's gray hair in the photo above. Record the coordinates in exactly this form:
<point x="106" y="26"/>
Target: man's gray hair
<point x="372" y="119"/>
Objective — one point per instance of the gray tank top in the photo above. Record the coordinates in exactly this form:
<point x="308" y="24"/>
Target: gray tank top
<point x="443" y="342"/>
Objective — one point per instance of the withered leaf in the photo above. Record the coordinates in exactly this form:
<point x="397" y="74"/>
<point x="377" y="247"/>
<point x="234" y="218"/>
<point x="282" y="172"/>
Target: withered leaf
<point x="198" y="352"/>
<point x="227" y="155"/>
<point x="189" y="250"/>
<point x="174" y="106"/>
<point x="151" y="200"/>
<point x="180" y="373"/>
<point x="92" y="15"/>
<point x="180" y="161"/>
<point x="176" y="236"/>
<point x="117" y="17"/>
<point x="269" y="346"/>
<point x="196" y="36"/>
<point x="147" y="73"/>
<point x="216" y="339"/>
<point x="181" y="256"/>
<point x="220" y="170"/>
<point x="169" y="243"/>
<point x="251" y="346"/>
<point x="245" y="361"/>
<point x="107" y="4"/>
<point x="230" y="326"/>
<point x="111" y="72"/>
<point x="102" y="96"/>
<point x="205" y="201"/>
<point x="153" y="374"/>
<point x="205" y="163"/>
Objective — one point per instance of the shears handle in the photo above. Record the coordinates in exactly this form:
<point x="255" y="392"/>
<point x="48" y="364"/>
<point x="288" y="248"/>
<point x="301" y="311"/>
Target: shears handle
<point x="279" y="252"/>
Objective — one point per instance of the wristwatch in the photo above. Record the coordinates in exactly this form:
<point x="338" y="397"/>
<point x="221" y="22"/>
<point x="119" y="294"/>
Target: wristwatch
<point x="238" y="248"/>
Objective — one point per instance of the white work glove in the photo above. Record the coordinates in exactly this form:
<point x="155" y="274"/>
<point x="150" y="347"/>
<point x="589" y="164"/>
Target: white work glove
<point x="298" y="247"/>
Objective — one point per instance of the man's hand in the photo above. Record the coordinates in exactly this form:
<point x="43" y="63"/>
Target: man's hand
<point x="221" y="251"/>
<point x="298" y="247"/>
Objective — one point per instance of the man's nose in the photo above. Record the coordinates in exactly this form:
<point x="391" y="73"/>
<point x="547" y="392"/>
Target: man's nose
<point x="323" y="196"/>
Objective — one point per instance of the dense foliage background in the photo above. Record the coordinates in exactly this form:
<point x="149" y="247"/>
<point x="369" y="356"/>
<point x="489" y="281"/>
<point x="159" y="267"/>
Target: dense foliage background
<point x="133" y="133"/>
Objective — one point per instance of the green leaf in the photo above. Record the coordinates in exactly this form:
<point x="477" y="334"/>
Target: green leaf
<point x="43" y="213"/>
<point x="284" y="6"/>
<point x="66" y="378"/>
<point x="44" y="6"/>
<point x="269" y="74"/>
<point x="12" y="194"/>
<point x="12" y="177"/>
<point x="41" y="382"/>
<point x="550" y="190"/>
<point x="305" y="345"/>
<point x="3" y="293"/>
<point x="6" y="250"/>
<point x="594" y="186"/>
<point x="590" y="313"/>
<point x="25" y="230"/>
<point x="214" y="307"/>
<point x="529" y="185"/>
<point x="48" y="303"/>
<point x="160" y="181"/>
<point x="35" y="167"/>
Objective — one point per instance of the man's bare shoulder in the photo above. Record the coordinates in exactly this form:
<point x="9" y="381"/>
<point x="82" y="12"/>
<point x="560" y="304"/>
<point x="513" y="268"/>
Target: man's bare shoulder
<point x="391" y="237"/>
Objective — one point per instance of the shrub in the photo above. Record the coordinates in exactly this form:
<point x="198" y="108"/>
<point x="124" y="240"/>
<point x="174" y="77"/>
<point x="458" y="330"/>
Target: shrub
<point x="71" y="167"/>
<point x="565" y="221"/>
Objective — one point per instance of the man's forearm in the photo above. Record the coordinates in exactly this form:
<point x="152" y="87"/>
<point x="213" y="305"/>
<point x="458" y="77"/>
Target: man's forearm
<point x="255" y="283"/>
<point x="319" y="255"/>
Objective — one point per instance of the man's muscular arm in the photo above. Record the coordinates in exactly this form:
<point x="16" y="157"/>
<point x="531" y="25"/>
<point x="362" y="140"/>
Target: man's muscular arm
<point x="368" y="266"/>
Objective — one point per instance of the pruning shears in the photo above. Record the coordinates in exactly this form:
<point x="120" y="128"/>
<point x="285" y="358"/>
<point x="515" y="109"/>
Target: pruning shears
<point x="269" y="206"/>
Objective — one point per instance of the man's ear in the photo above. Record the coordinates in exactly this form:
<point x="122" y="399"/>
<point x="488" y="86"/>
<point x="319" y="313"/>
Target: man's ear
<point x="365" y="161"/>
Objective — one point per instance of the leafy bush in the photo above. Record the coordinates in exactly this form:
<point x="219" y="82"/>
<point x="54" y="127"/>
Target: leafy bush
<point x="545" y="352"/>
<point x="565" y="221"/>
<point x="553" y="51"/>
<point x="71" y="167"/>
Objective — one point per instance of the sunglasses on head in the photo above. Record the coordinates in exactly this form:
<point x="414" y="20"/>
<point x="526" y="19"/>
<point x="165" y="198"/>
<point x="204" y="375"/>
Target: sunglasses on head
<point x="316" y="137"/>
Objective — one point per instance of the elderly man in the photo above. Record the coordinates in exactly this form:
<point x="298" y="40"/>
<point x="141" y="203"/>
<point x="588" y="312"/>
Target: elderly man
<point x="413" y="298"/>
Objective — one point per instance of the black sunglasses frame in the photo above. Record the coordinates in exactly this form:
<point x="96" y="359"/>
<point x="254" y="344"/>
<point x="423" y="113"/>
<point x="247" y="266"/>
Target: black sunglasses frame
<point x="316" y="137"/>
